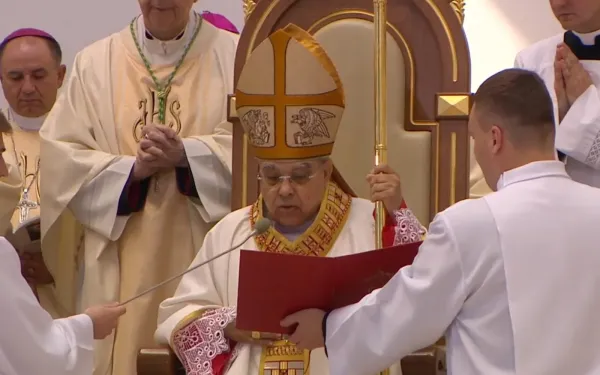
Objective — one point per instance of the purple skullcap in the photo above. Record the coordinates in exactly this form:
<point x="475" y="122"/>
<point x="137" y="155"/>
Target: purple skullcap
<point x="219" y="21"/>
<point x="26" y="32"/>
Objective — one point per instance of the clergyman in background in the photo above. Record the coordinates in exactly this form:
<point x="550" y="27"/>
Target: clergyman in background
<point x="31" y="74"/>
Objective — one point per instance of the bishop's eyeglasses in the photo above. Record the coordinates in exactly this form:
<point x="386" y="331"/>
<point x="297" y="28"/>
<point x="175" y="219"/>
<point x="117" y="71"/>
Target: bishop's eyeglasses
<point x="299" y="178"/>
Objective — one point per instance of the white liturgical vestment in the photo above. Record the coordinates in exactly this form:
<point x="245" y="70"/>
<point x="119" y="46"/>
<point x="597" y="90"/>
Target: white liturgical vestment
<point x="578" y="134"/>
<point x="31" y="342"/>
<point x="511" y="279"/>
<point x="215" y="286"/>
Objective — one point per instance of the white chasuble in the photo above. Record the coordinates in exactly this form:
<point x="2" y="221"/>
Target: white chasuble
<point x="205" y="300"/>
<point x="96" y="126"/>
<point x="578" y="134"/>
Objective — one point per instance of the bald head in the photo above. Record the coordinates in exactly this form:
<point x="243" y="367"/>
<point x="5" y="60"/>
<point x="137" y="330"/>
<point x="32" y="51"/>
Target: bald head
<point x="31" y="73"/>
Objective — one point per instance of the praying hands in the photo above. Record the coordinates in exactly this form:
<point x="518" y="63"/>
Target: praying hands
<point x="571" y="79"/>
<point x="160" y="148"/>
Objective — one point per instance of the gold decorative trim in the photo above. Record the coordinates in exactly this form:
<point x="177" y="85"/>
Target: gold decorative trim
<point x="245" y="181"/>
<point x="249" y="6"/>
<point x="453" y="105"/>
<point x="453" y="152"/>
<point x="459" y="8"/>
<point x="284" y="357"/>
<point x="319" y="238"/>
<point x="232" y="109"/>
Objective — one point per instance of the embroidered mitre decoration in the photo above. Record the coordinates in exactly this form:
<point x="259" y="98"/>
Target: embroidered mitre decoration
<point x="290" y="97"/>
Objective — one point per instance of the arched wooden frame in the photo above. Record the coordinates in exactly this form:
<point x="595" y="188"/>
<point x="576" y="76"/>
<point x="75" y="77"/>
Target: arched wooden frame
<point x="438" y="82"/>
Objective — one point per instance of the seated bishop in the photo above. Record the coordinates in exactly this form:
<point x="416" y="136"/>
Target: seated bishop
<point x="290" y="100"/>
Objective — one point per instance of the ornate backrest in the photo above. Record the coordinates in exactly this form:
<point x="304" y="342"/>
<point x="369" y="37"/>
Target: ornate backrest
<point x="427" y="81"/>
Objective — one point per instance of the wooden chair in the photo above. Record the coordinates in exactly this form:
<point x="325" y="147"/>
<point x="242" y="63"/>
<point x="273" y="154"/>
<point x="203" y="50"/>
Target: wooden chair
<point x="428" y="84"/>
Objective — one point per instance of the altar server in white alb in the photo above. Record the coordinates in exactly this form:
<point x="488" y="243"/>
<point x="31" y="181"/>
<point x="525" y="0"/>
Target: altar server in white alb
<point x="291" y="101"/>
<point x="569" y="63"/>
<point x="31" y="342"/>
<point x="511" y="279"/>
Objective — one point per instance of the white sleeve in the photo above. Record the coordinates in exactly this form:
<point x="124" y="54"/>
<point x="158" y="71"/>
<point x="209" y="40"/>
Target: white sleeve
<point x="196" y="291"/>
<point x="199" y="306"/>
<point x="578" y="135"/>
<point x="519" y="63"/>
<point x="95" y="205"/>
<point x="398" y="319"/>
<point x="212" y="178"/>
<point x="31" y="342"/>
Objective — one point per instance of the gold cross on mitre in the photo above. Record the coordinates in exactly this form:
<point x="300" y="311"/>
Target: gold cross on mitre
<point x="289" y="97"/>
<point x="290" y="101"/>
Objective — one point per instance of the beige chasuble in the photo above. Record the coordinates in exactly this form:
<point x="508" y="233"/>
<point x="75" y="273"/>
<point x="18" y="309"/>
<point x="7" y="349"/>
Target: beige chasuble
<point x="10" y="186"/>
<point x="23" y="152"/>
<point x="22" y="156"/>
<point x="97" y="125"/>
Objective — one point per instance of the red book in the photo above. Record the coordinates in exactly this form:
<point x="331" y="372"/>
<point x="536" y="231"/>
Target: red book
<point x="273" y="286"/>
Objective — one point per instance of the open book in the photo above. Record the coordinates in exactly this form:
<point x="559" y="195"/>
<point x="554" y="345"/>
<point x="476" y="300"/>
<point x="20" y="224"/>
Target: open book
<point x="272" y="286"/>
<point x="26" y="237"/>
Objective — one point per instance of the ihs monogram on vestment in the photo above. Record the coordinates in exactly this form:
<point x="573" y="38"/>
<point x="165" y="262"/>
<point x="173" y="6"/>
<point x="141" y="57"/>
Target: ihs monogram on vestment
<point x="149" y="108"/>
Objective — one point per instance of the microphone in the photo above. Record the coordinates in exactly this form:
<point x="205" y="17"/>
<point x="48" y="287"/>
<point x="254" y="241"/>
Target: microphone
<point x="260" y="227"/>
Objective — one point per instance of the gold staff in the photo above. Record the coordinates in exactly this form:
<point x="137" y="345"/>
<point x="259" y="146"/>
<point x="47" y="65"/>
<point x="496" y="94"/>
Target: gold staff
<point x="380" y="21"/>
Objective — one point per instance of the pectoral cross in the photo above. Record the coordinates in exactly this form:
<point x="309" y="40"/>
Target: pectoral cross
<point x="25" y="205"/>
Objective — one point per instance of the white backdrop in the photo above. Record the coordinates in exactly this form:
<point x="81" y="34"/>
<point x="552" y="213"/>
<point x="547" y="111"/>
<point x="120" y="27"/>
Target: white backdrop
<point x="496" y="29"/>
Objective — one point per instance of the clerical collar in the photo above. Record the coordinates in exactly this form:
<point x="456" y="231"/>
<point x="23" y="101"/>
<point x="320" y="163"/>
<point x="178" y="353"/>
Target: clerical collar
<point x="532" y="171"/>
<point x="584" y="46"/>
<point x="166" y="50"/>
<point x="26" y="123"/>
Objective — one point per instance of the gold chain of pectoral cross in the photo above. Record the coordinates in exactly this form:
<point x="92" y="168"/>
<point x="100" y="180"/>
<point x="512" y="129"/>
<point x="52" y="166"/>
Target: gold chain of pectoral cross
<point x="25" y="204"/>
<point x="163" y="89"/>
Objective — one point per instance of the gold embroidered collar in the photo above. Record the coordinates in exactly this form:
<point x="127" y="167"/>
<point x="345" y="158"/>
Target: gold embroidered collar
<point x="319" y="238"/>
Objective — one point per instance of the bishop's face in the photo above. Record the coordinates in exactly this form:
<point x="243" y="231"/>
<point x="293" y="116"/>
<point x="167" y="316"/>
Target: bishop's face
<point x="578" y="15"/>
<point x="293" y="190"/>
<point x="165" y="19"/>
<point x="31" y="76"/>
